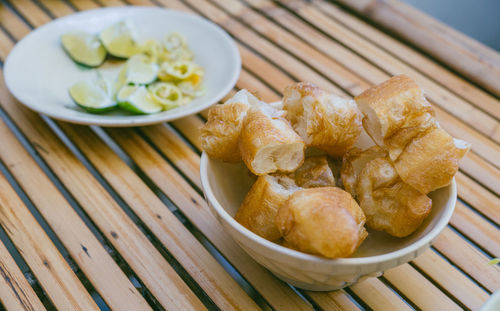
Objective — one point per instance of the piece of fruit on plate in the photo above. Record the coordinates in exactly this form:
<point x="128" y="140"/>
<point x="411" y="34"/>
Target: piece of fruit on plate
<point x="137" y="99"/>
<point x="84" y="48"/>
<point x="119" y="41"/>
<point x="95" y="96"/>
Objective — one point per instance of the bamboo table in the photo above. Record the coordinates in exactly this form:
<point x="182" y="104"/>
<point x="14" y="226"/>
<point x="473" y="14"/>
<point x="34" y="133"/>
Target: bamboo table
<point x="114" y="219"/>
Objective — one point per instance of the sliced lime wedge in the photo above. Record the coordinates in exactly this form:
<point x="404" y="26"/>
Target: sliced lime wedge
<point x="137" y="100"/>
<point x="166" y="94"/>
<point x="139" y="69"/>
<point x="93" y="96"/>
<point x="118" y="39"/>
<point x="84" y="48"/>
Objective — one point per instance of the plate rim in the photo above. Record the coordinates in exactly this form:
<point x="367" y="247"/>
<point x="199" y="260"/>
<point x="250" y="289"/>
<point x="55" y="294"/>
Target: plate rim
<point x="134" y="120"/>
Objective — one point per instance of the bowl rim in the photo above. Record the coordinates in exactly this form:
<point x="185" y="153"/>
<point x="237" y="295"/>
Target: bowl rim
<point x="422" y="242"/>
<point x="86" y="118"/>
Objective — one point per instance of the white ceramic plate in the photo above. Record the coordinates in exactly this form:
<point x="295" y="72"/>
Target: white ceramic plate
<point x="39" y="73"/>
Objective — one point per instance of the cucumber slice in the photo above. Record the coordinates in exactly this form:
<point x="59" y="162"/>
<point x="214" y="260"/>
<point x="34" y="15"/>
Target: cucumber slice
<point x="84" y="48"/>
<point x="137" y="99"/>
<point x="93" y="96"/>
<point x="119" y="41"/>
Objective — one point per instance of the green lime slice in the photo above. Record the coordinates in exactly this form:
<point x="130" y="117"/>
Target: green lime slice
<point x="93" y="96"/>
<point x="84" y="48"/>
<point x="166" y="94"/>
<point x="119" y="41"/>
<point x="139" y="69"/>
<point x="137" y="99"/>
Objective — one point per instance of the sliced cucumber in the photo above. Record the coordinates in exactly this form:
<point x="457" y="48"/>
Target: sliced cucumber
<point x="137" y="99"/>
<point x="93" y="96"/>
<point x="118" y="39"/>
<point x="84" y="48"/>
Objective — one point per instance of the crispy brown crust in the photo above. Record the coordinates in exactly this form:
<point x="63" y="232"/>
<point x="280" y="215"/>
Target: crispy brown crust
<point x="219" y="136"/>
<point x="267" y="137"/>
<point x="429" y="162"/>
<point x="353" y="163"/>
<point x="261" y="204"/>
<point x="315" y="172"/>
<point x="389" y="204"/>
<point x="323" y="120"/>
<point x="325" y="221"/>
<point x="395" y="112"/>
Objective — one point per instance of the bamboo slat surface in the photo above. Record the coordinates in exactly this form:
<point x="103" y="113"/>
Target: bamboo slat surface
<point x="114" y="219"/>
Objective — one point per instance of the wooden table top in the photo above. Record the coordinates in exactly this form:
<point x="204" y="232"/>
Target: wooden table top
<point x="114" y="219"/>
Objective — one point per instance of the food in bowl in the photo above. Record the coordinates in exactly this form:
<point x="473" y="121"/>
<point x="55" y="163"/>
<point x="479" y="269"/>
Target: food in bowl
<point x="310" y="216"/>
<point x="157" y="75"/>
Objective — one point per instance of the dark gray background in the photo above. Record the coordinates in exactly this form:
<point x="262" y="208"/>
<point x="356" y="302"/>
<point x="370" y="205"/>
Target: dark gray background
<point x="480" y="19"/>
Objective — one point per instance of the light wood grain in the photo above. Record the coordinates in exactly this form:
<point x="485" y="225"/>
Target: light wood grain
<point x="418" y="289"/>
<point x="412" y="57"/>
<point x="378" y="296"/>
<point x="197" y="211"/>
<point x="446" y="99"/>
<point x="204" y="269"/>
<point x="83" y="246"/>
<point x="454" y="281"/>
<point x="49" y="266"/>
<point x="145" y="260"/>
<point x="15" y="291"/>
<point x="402" y="19"/>
<point x="468" y="258"/>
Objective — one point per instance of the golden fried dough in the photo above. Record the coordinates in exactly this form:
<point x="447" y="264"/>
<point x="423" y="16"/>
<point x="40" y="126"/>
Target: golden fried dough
<point x="353" y="163"/>
<point x="323" y="120"/>
<point x="259" y="208"/>
<point x="315" y="172"/>
<point x="268" y="143"/>
<point x="219" y="136"/>
<point x="429" y="162"/>
<point x="389" y="204"/>
<point x="395" y="112"/>
<point x="325" y="221"/>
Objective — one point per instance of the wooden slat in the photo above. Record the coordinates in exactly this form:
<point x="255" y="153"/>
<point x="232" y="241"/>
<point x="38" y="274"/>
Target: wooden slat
<point x="16" y="26"/>
<point x="49" y="266"/>
<point x="483" y="200"/>
<point x="204" y="269"/>
<point x="176" y="150"/>
<point x="15" y="291"/>
<point x="6" y="45"/>
<point x="56" y="6"/>
<point x="379" y="297"/>
<point x="418" y="289"/>
<point x="452" y="280"/>
<point x="194" y="207"/>
<point x="83" y="246"/>
<point x="335" y="301"/>
<point x="476" y="228"/>
<point x="437" y="94"/>
<point x="145" y="260"/>
<point x="468" y="258"/>
<point x="473" y="63"/>
<point x="31" y="12"/>
<point x="403" y="52"/>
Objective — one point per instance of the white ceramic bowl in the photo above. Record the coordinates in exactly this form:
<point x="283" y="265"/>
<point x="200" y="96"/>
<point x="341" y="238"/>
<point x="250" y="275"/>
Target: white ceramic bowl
<point x="39" y="73"/>
<point x="225" y="185"/>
